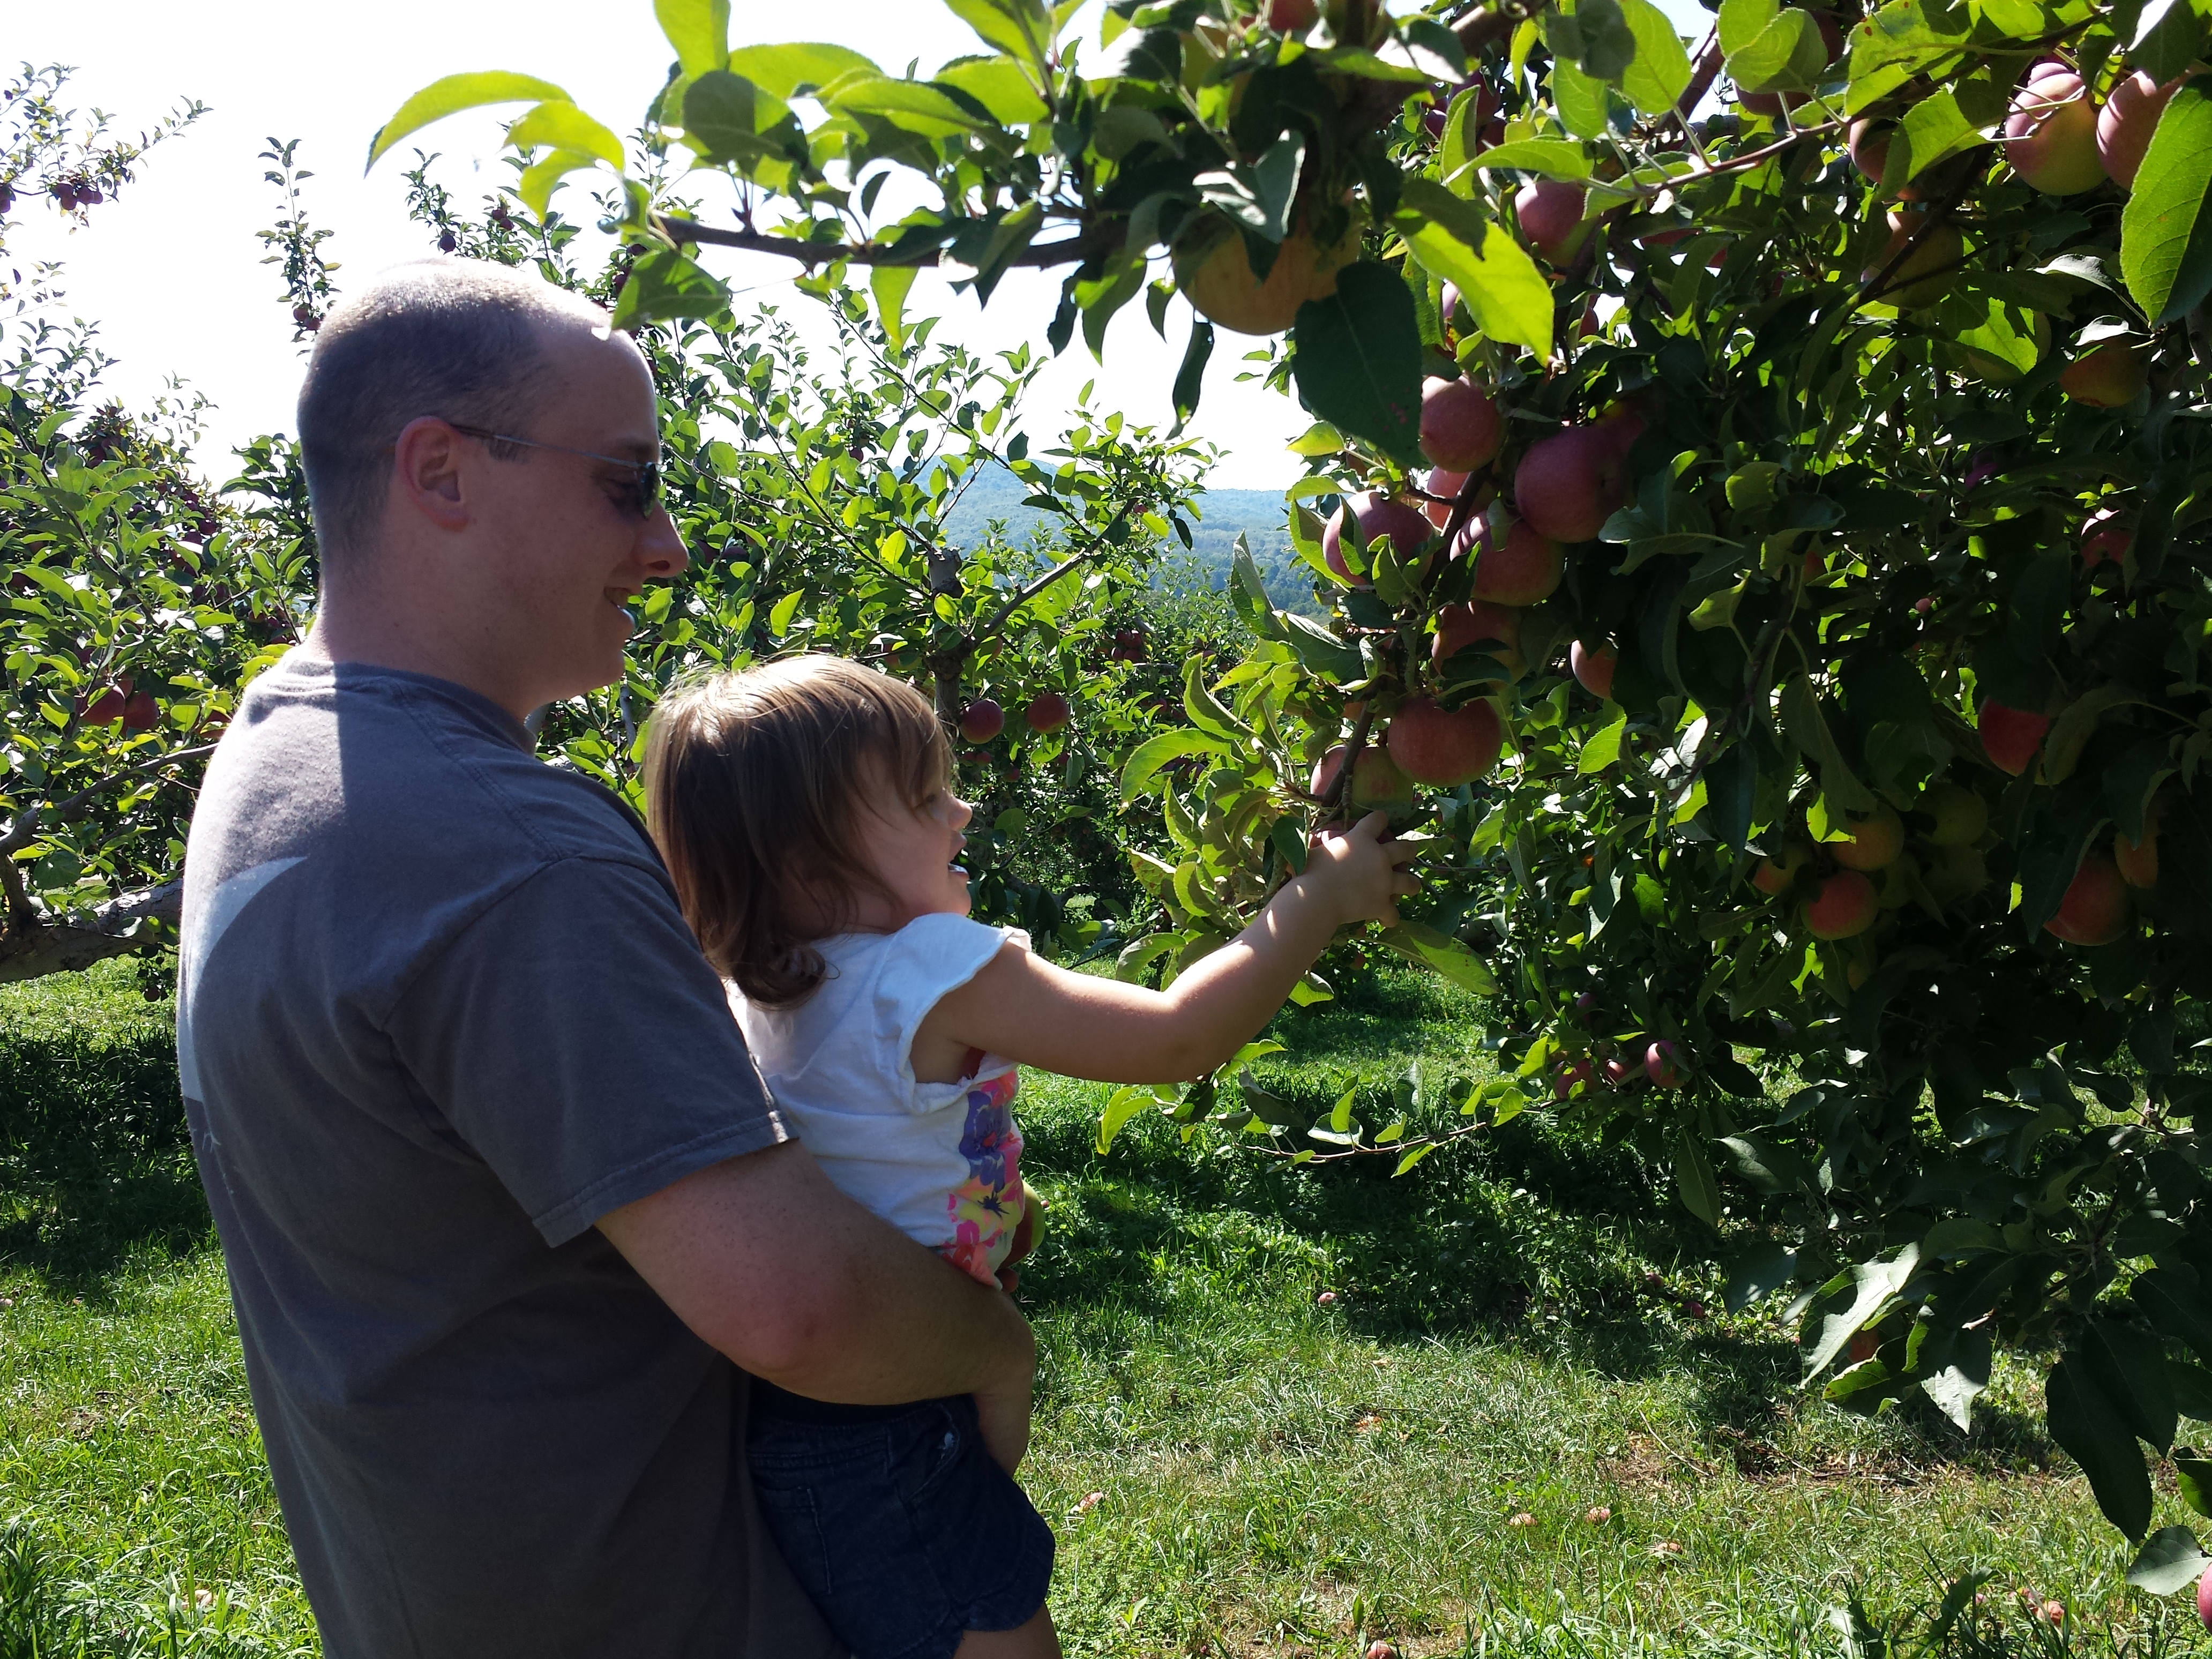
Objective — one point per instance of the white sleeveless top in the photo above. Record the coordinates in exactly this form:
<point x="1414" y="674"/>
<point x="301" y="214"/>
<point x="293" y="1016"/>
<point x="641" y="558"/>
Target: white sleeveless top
<point x="939" y="1161"/>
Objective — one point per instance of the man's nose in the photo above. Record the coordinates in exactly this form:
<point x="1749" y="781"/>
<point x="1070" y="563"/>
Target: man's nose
<point x="660" y="547"/>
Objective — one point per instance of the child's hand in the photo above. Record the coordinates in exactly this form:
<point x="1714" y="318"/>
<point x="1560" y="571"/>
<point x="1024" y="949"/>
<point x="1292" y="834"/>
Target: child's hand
<point x="1026" y="1232"/>
<point x="1359" y="876"/>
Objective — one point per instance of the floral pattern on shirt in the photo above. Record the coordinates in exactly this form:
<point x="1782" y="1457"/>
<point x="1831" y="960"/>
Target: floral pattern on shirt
<point x="986" y="1209"/>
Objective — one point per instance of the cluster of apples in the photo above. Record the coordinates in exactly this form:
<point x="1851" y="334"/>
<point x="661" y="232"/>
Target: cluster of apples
<point x="1842" y="887"/>
<point x="984" y="718"/>
<point x="136" y="710"/>
<point x="1659" y="1061"/>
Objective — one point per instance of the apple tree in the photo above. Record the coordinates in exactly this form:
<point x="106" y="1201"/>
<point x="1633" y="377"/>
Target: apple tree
<point x="1759" y="485"/>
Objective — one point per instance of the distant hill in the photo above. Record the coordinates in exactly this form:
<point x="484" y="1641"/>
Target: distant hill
<point x="1259" y="515"/>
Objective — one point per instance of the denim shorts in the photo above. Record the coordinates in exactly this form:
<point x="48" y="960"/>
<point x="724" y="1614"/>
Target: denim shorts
<point x="896" y="1522"/>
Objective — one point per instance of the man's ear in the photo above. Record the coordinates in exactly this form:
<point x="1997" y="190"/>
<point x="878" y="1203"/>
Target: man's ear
<point x="427" y="468"/>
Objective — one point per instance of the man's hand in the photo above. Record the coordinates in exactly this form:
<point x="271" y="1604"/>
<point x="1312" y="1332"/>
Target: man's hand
<point x="1357" y="875"/>
<point x="766" y="1261"/>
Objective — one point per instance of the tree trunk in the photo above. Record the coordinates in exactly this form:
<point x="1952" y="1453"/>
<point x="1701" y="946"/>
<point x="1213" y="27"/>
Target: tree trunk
<point x="74" y="942"/>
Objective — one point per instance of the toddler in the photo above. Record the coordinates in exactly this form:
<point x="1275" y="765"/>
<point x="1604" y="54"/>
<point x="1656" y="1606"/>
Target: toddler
<point x="805" y="813"/>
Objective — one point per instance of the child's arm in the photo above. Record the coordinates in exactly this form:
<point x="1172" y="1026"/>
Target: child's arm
<point x="1026" y="1009"/>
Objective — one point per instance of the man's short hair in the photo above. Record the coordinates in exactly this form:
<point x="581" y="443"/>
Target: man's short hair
<point x="462" y="339"/>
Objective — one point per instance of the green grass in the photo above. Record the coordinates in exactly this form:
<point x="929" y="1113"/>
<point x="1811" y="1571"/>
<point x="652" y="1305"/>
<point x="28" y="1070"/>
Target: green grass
<point x="1278" y="1474"/>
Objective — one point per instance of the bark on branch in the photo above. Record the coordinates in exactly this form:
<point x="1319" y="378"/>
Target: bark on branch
<point x="66" y="944"/>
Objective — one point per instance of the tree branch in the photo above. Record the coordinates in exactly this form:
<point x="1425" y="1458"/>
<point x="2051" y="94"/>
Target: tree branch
<point x="70" y="808"/>
<point x="1068" y="251"/>
<point x="73" y="943"/>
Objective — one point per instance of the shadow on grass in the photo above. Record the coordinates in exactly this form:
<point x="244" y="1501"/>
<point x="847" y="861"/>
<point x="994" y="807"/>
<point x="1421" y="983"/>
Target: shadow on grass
<point x="95" y="1161"/>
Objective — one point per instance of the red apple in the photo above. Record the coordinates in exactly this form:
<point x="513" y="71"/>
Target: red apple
<point x="1875" y="841"/>
<point x="1662" y="1065"/>
<point x="2105" y="537"/>
<point x="106" y="709"/>
<point x="1377" y="785"/>
<point x="141" y="713"/>
<point x="1570" y="484"/>
<point x="1460" y="426"/>
<point x="983" y="720"/>
<point x="2125" y="123"/>
<point x="2204" y="1598"/>
<point x="1577" y="1075"/>
<point x="2051" y="136"/>
<point x="1292" y="16"/>
<point x="1594" y="667"/>
<point x="1778" y="873"/>
<point x="1619" y="1072"/>
<point x="2095" y="909"/>
<point x="1524" y="570"/>
<point x="1433" y="746"/>
<point x="2106" y="377"/>
<point x="1444" y="482"/>
<point x="1495" y="628"/>
<point x="1842" y="906"/>
<point x="1048" y="711"/>
<point x="1377" y="515"/>
<point x="1129" y="645"/>
<point x="1550" y="212"/>
<point x="2011" y="736"/>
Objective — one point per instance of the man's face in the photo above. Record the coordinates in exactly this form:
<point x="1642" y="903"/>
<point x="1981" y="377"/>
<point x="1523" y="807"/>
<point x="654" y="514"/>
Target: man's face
<point x="568" y="547"/>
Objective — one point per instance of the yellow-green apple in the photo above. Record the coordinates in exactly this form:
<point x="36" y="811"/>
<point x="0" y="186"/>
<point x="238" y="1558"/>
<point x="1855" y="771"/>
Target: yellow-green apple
<point x="1663" y="1064"/>
<point x="1460" y="426"/>
<point x="1433" y="745"/>
<point x="983" y="720"/>
<point x="1954" y="874"/>
<point x="1569" y="484"/>
<point x="1961" y="814"/>
<point x="1377" y="785"/>
<point x="2137" y="861"/>
<point x="1493" y="629"/>
<point x="1377" y="515"/>
<point x="1926" y="274"/>
<point x="2125" y="123"/>
<point x="1520" y="568"/>
<point x="2105" y="537"/>
<point x="1873" y="842"/>
<point x="1842" y="906"/>
<point x="1048" y="711"/>
<point x="2095" y="909"/>
<point x="2107" y="376"/>
<point x="1594" y="667"/>
<point x="1550" y="215"/>
<point x="1777" y="873"/>
<point x="2051" y="134"/>
<point x="2011" y="736"/>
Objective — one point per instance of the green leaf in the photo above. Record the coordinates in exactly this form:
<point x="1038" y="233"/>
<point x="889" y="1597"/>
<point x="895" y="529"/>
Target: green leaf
<point x="1020" y="29"/>
<point x="1787" y="53"/>
<point x="1205" y="710"/>
<point x="560" y="123"/>
<point x="1508" y="295"/>
<point x="1809" y="729"/>
<point x="729" y="115"/>
<point x="2165" y="233"/>
<point x="789" y="70"/>
<point x="454" y="93"/>
<point x="912" y="106"/>
<point x="1660" y="70"/>
<point x="1743" y="22"/>
<point x="1248" y="593"/>
<point x="2193" y="1475"/>
<point x="1321" y="652"/>
<point x="2171" y="1560"/>
<point x="1604" y="748"/>
<point x="2173" y="1304"/>
<point x="1872" y="1285"/>
<point x="1127" y="1102"/>
<point x="2128" y="1365"/>
<point x="2094" y="1435"/>
<point x="1425" y="946"/>
<point x="1359" y="359"/>
<point x="1766" y="1269"/>
<point x="1554" y="158"/>
<point x="2192" y="1389"/>
<point x="1145" y="761"/>
<point x="1933" y="128"/>
<point x="698" y="29"/>
<point x="998" y="85"/>
<point x="541" y="178"/>
<point x="1583" y="100"/>
<point x="781" y="613"/>
<point x="665" y="284"/>
<point x="890" y="284"/>
<point x="1695" y="1178"/>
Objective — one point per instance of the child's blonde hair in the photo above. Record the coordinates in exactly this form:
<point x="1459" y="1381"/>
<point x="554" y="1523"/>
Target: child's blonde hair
<point x="754" y="786"/>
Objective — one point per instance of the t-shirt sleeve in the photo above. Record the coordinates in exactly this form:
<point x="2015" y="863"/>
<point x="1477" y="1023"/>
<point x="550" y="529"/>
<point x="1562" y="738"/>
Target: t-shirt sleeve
<point x="575" y="1038"/>
<point x="927" y="957"/>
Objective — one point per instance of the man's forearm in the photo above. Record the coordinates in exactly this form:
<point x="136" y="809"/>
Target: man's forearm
<point x="768" y="1261"/>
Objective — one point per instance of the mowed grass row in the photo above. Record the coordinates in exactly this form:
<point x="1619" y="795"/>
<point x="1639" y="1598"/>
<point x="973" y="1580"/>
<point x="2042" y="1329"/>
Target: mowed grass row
<point x="1282" y="1411"/>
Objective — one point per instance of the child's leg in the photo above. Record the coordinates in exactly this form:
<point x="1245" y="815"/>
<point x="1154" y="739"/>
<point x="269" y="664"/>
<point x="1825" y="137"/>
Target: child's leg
<point x="1036" y="1640"/>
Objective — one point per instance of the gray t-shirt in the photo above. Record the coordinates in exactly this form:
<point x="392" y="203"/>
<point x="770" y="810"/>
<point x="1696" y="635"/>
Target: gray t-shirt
<point x="438" y="1012"/>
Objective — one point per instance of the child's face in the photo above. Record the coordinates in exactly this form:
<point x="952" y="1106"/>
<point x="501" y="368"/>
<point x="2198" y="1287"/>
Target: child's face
<point x="915" y="853"/>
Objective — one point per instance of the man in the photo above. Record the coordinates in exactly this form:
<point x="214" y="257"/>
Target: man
<point x="505" y="1205"/>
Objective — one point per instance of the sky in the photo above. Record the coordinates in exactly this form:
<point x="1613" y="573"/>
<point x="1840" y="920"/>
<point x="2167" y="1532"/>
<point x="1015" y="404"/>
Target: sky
<point x="170" y="275"/>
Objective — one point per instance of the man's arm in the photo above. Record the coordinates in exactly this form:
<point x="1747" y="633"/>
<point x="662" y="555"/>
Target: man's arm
<point x="768" y="1262"/>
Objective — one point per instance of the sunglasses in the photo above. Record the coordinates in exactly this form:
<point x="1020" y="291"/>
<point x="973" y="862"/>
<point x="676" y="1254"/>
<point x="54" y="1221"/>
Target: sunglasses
<point x="645" y="481"/>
